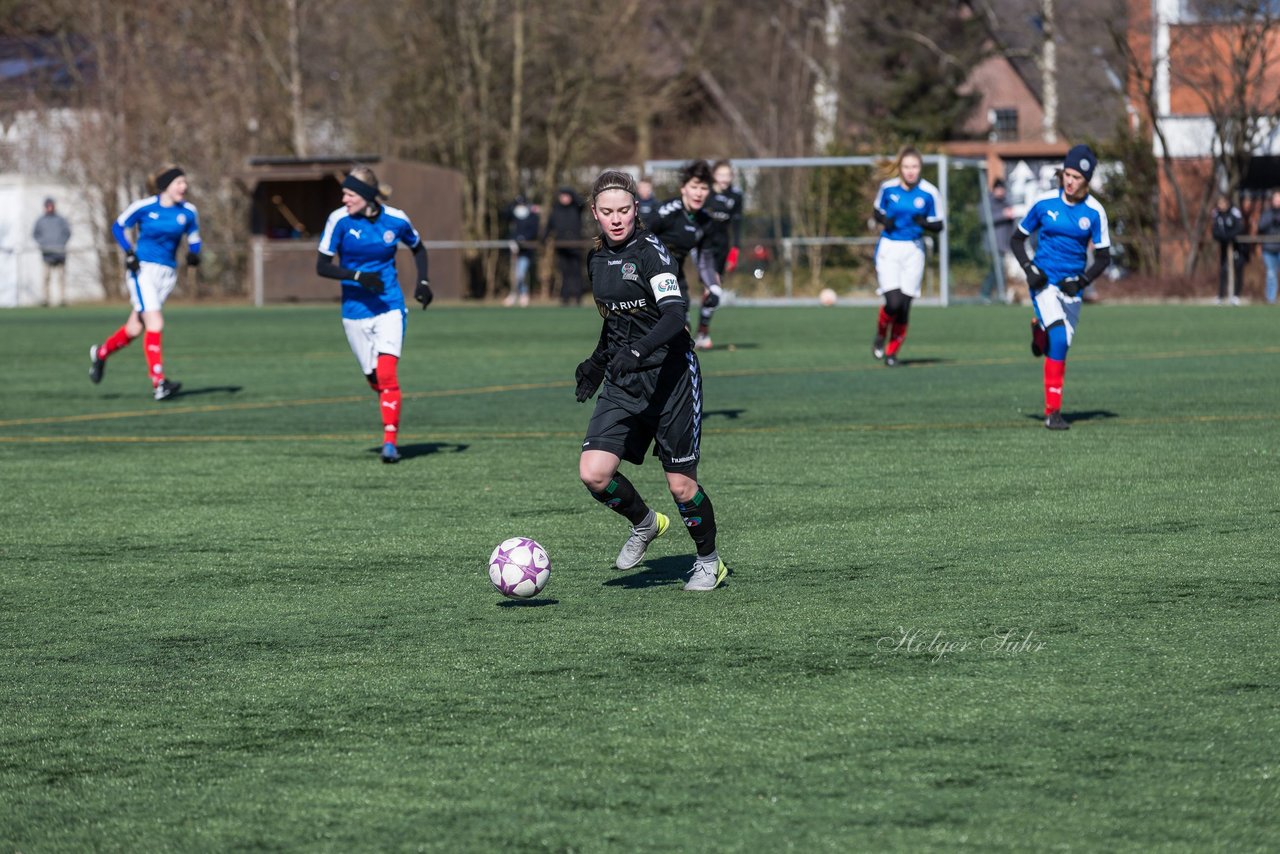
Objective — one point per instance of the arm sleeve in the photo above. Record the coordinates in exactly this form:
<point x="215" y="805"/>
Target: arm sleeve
<point x="1018" y="246"/>
<point x="1101" y="260"/>
<point x="329" y="270"/>
<point x="670" y="324"/>
<point x="420" y="261"/>
<point x="117" y="230"/>
<point x="932" y="225"/>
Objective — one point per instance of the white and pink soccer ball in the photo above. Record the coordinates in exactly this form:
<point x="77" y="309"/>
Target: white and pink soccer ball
<point x="519" y="568"/>
<point x="827" y="296"/>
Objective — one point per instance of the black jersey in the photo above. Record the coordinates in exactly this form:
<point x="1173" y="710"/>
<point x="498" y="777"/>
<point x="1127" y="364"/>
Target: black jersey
<point x="725" y="212"/>
<point x="630" y="282"/>
<point x="684" y="232"/>
<point x="679" y="229"/>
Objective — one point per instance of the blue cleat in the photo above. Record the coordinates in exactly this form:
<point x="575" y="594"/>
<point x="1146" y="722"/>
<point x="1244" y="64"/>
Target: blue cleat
<point x="390" y="454"/>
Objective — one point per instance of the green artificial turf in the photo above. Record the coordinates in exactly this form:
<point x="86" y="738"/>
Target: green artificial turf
<point x="227" y="626"/>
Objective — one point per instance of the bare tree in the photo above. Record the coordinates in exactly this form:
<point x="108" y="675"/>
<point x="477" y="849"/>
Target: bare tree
<point x="1223" y="63"/>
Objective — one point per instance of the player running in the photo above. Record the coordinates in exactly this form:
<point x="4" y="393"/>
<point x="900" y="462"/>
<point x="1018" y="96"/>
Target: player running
<point x="684" y="226"/>
<point x="906" y="207"/>
<point x="724" y="237"/>
<point x="652" y="384"/>
<point x="364" y="234"/>
<point x="161" y="220"/>
<point x="1068" y="220"/>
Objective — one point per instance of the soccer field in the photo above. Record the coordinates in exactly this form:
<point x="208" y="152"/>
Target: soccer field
<point x="227" y="626"/>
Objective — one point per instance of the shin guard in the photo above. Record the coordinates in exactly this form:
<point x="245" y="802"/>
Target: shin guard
<point x="700" y="520"/>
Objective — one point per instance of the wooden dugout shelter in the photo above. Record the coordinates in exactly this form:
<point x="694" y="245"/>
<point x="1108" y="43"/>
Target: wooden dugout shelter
<point x="293" y="197"/>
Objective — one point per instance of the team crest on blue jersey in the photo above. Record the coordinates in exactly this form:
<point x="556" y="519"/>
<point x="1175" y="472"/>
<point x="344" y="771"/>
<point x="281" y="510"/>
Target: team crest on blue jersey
<point x="182" y="219"/>
<point x="629" y="272"/>
<point x="1083" y="222"/>
<point x="388" y="237"/>
<point x="919" y="202"/>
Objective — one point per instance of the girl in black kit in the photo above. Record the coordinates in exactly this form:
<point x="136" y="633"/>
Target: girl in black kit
<point x="652" y="385"/>
<point x="724" y="207"/>
<point x="686" y="228"/>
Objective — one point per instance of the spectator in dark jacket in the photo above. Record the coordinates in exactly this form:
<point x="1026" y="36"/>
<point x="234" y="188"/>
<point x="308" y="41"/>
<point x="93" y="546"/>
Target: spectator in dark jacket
<point x="646" y="202"/>
<point x="564" y="226"/>
<point x="1002" y="221"/>
<point x="1228" y="224"/>
<point x="1269" y="228"/>
<point x="522" y="231"/>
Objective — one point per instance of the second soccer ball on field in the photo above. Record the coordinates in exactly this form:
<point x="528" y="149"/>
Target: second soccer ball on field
<point x="827" y="296"/>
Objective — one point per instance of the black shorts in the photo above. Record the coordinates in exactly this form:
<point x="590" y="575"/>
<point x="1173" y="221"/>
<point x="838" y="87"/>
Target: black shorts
<point x="661" y="406"/>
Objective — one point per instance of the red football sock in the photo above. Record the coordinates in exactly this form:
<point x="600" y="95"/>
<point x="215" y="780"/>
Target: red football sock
<point x="155" y="362"/>
<point x="882" y="323"/>
<point x="899" y="333"/>
<point x="389" y="396"/>
<point x="1054" y="369"/>
<point x="119" y="339"/>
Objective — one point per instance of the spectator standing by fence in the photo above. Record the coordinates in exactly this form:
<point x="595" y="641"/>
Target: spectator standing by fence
<point x="1228" y="224"/>
<point x="522" y="231"/>
<point x="51" y="234"/>
<point x="1002" y="221"/>
<point x="564" y="226"/>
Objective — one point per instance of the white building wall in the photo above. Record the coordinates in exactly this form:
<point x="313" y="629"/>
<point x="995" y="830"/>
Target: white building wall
<point x="21" y="267"/>
<point x="34" y="147"/>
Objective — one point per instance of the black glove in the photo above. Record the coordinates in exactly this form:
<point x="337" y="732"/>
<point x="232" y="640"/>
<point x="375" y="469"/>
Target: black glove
<point x="193" y="259"/>
<point x="589" y="375"/>
<point x="625" y="361"/>
<point x="370" y="281"/>
<point x="131" y="262"/>
<point x="1036" y="279"/>
<point x="880" y="217"/>
<point x="920" y="219"/>
<point x="1073" y="285"/>
<point x="422" y="293"/>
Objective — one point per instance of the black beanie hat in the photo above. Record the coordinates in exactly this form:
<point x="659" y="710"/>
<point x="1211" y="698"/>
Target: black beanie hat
<point x="1081" y="159"/>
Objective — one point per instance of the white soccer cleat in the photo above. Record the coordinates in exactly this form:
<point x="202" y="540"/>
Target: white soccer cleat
<point x="708" y="573"/>
<point x="641" y="535"/>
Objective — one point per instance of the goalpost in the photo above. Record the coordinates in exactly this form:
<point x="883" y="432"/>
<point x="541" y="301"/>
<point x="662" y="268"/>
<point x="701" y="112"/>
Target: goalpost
<point x="798" y="210"/>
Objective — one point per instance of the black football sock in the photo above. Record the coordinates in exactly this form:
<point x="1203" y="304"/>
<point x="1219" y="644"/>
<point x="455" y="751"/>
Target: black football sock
<point x="621" y="497"/>
<point x="700" y="519"/>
